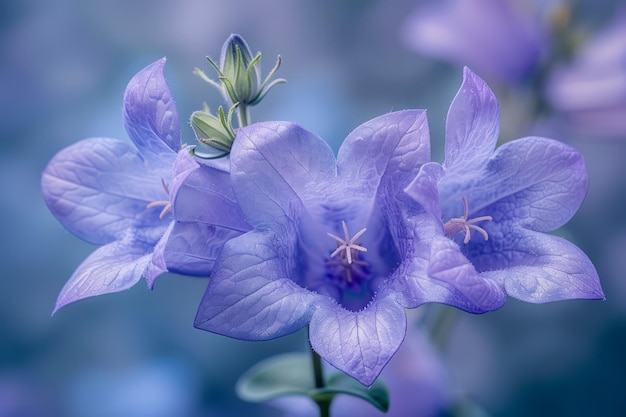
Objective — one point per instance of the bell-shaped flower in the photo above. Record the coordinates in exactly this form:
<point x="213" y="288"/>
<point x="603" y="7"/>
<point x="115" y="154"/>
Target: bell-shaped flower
<point x="497" y="206"/>
<point x="334" y="243"/>
<point x="500" y="39"/>
<point x="114" y="193"/>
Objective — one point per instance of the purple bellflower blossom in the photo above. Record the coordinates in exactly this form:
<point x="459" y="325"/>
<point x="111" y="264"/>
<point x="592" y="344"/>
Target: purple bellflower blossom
<point x="500" y="39"/>
<point x="116" y="194"/>
<point x="334" y="243"/>
<point x="496" y="206"/>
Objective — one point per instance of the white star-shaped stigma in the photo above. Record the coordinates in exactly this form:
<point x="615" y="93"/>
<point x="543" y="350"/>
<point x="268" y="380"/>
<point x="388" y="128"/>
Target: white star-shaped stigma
<point x="347" y="244"/>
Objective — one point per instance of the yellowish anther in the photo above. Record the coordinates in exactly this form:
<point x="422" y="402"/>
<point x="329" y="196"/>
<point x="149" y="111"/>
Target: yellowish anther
<point x="346" y="245"/>
<point x="458" y="224"/>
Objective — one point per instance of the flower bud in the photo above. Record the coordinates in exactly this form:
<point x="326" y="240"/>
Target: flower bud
<point x="215" y="132"/>
<point x="240" y="73"/>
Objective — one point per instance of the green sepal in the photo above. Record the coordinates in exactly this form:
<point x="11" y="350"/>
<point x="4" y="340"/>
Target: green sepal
<point x="291" y="375"/>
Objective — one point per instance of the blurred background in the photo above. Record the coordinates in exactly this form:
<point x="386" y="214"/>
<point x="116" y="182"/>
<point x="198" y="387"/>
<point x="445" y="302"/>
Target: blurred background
<point x="558" y="68"/>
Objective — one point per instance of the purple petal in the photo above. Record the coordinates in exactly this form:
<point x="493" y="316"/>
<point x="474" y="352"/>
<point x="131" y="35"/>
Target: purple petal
<point x="423" y="189"/>
<point x="249" y="296"/>
<point x="472" y="125"/>
<point x="538" y="268"/>
<point x="466" y="288"/>
<point x="192" y="248"/>
<point x="536" y="182"/>
<point x="273" y="165"/>
<point x="386" y="152"/>
<point x="99" y="189"/>
<point x="111" y="268"/>
<point x="358" y="343"/>
<point x="150" y="113"/>
<point x="205" y="195"/>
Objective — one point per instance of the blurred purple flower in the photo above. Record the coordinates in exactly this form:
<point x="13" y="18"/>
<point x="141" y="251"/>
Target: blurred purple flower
<point x="111" y="193"/>
<point x="335" y="243"/>
<point x="498" y="204"/>
<point x="590" y="92"/>
<point x="499" y="39"/>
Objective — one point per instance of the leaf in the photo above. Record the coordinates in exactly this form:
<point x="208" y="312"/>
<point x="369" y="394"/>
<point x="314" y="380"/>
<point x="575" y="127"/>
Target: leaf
<point x="340" y="383"/>
<point x="278" y="376"/>
<point x="291" y="374"/>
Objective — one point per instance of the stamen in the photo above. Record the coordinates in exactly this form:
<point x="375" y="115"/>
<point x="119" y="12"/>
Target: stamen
<point x="457" y="224"/>
<point x="347" y="245"/>
<point x="166" y="204"/>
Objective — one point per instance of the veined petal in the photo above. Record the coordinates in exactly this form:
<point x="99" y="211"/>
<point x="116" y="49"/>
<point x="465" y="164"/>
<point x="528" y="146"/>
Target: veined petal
<point x="273" y="165"/>
<point x="250" y="295"/>
<point x="467" y="289"/>
<point x="538" y="268"/>
<point x="205" y="195"/>
<point x="99" y="188"/>
<point x="358" y="343"/>
<point x="111" y="268"/>
<point x="193" y="247"/>
<point x="150" y="114"/>
<point x="385" y="152"/>
<point x="535" y="182"/>
<point x="423" y="189"/>
<point x="472" y="125"/>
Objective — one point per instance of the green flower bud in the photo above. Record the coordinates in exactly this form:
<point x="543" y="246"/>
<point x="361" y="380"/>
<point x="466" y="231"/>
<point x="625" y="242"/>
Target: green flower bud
<point x="240" y="73"/>
<point x="215" y="132"/>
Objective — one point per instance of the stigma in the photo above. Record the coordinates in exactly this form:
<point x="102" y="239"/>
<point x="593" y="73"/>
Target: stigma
<point x="347" y="256"/>
<point x="463" y="224"/>
<point x="166" y="204"/>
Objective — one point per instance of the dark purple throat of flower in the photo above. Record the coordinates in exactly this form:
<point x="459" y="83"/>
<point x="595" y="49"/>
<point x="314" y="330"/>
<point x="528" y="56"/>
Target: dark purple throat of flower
<point x="166" y="204"/>
<point x="463" y="224"/>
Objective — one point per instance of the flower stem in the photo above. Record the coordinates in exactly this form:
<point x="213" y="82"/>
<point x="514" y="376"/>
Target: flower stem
<point x="318" y="372"/>
<point x="243" y="114"/>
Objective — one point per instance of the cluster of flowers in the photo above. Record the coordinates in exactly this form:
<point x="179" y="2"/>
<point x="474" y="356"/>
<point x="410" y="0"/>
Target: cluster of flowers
<point x="292" y="235"/>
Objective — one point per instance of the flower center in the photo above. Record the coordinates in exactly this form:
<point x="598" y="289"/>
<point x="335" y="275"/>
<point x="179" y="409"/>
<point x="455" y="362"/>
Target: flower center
<point x="166" y="204"/>
<point x="345" y="260"/>
<point x="463" y="224"/>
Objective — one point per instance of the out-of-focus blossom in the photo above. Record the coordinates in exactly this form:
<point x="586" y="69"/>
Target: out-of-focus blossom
<point x="116" y="194"/>
<point x="335" y="242"/>
<point x="497" y="205"/>
<point x="499" y="39"/>
<point x="590" y="91"/>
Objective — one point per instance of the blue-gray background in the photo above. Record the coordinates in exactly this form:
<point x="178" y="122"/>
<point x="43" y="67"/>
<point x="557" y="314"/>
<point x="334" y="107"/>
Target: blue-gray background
<point x="64" y="65"/>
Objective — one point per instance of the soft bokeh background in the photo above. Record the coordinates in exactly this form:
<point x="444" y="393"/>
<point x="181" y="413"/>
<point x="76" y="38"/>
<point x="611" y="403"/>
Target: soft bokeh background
<point x="64" y="65"/>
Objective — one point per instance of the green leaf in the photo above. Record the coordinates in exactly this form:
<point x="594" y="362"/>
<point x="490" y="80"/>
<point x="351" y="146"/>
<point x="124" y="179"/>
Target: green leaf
<point x="287" y="374"/>
<point x="340" y="383"/>
<point x="291" y="374"/>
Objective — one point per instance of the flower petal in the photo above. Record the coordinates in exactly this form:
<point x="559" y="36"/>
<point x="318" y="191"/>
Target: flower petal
<point x="273" y="165"/>
<point x="99" y="188"/>
<point x="385" y="153"/>
<point x="111" y="268"/>
<point x="192" y="247"/>
<point x="536" y="182"/>
<point x="423" y="189"/>
<point x="538" y="268"/>
<point x="358" y="343"/>
<point x="472" y="125"/>
<point x="250" y="295"/>
<point x="150" y="114"/>
<point x="466" y="289"/>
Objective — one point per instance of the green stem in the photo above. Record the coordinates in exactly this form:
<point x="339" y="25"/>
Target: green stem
<point x="318" y="372"/>
<point x="243" y="114"/>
